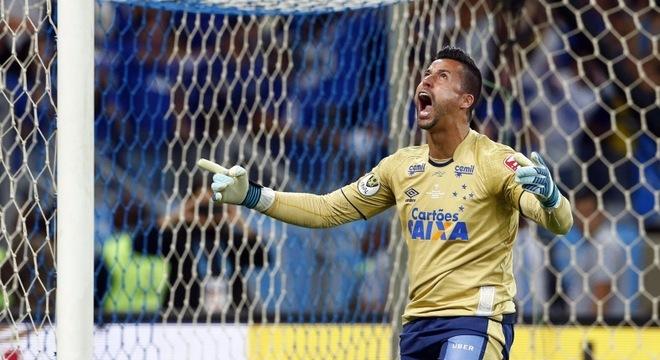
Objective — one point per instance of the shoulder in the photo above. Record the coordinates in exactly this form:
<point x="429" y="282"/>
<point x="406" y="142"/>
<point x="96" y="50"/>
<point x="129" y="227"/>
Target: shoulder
<point x="494" y="155"/>
<point x="412" y="151"/>
<point x="487" y="147"/>
<point x="410" y="159"/>
<point x="407" y="154"/>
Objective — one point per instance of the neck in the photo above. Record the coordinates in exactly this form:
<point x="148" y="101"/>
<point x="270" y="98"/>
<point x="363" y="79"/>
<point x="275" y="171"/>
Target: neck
<point x="444" y="141"/>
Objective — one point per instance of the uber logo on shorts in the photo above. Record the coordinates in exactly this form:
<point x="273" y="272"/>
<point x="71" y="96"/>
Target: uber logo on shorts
<point x="462" y="346"/>
<point x="411" y="193"/>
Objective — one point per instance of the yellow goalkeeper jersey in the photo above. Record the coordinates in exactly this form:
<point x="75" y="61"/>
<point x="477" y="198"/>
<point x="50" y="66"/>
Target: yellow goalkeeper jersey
<point x="459" y="220"/>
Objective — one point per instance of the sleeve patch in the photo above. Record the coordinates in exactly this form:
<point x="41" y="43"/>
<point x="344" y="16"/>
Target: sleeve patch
<point x="511" y="163"/>
<point x="368" y="185"/>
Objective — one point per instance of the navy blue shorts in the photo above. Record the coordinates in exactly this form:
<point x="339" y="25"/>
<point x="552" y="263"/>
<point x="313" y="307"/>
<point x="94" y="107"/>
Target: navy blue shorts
<point x="459" y="337"/>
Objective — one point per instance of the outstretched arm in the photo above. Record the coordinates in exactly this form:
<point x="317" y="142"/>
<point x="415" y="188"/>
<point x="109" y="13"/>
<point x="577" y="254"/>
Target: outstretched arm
<point x="313" y="211"/>
<point x="542" y="201"/>
<point x="231" y="186"/>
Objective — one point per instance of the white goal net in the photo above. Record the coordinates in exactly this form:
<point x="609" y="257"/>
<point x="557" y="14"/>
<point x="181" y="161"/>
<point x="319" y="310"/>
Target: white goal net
<point x="27" y="176"/>
<point x="308" y="96"/>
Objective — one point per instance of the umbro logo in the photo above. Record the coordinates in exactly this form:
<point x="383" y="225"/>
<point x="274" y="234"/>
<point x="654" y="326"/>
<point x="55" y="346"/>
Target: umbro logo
<point x="411" y="193"/>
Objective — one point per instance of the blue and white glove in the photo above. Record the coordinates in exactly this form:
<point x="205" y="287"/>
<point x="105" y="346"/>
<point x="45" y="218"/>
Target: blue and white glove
<point x="535" y="178"/>
<point x="231" y="186"/>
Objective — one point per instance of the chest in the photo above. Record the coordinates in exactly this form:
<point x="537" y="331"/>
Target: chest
<point x="454" y="188"/>
<point x="439" y="203"/>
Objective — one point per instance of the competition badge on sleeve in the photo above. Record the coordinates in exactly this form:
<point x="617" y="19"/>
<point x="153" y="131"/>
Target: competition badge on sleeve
<point x="368" y="185"/>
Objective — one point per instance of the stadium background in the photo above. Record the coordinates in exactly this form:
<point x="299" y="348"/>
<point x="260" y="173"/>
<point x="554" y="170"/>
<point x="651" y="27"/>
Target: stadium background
<point x="308" y="101"/>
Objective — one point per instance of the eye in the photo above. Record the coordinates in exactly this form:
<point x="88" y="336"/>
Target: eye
<point x="443" y="75"/>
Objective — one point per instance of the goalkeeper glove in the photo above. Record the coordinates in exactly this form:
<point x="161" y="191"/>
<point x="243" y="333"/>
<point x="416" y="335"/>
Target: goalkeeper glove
<point x="232" y="187"/>
<point x="535" y="178"/>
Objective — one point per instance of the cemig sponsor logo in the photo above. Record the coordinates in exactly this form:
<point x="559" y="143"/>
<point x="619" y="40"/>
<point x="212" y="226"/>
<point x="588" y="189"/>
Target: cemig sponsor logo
<point x="416" y="169"/>
<point x="436" y="225"/>
<point x="460" y="170"/>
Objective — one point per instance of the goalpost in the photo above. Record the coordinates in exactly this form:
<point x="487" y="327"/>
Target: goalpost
<point x="306" y="95"/>
<point x="75" y="180"/>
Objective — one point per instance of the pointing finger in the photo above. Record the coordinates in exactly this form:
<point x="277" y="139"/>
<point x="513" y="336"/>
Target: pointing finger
<point x="212" y="167"/>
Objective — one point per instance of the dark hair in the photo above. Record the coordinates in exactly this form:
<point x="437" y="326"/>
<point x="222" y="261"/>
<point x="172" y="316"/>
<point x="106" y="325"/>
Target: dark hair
<point x="471" y="74"/>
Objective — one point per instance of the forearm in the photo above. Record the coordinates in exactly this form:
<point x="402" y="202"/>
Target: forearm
<point x="313" y="211"/>
<point x="558" y="220"/>
<point x="231" y="186"/>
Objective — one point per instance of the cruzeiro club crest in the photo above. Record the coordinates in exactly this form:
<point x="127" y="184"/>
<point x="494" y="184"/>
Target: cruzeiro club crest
<point x="369" y="185"/>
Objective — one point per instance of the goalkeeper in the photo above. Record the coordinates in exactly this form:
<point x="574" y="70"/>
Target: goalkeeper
<point x="458" y="199"/>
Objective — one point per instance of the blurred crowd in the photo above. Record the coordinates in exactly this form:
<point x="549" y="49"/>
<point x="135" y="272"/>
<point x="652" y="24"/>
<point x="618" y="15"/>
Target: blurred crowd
<point x="305" y="107"/>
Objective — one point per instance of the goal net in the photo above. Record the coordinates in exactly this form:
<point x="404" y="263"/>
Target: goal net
<point x="27" y="177"/>
<point x="308" y="96"/>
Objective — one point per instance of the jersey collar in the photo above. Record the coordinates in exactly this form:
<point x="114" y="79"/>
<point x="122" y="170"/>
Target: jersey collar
<point x="471" y="136"/>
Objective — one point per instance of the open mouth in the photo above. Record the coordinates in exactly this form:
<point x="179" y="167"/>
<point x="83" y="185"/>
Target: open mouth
<point x="425" y="104"/>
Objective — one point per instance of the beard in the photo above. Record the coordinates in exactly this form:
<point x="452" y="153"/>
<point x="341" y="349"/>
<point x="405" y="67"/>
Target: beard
<point x="428" y="124"/>
<point x="436" y="115"/>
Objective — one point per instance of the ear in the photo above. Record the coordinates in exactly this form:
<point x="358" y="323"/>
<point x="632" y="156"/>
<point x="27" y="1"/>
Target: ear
<point x="466" y="101"/>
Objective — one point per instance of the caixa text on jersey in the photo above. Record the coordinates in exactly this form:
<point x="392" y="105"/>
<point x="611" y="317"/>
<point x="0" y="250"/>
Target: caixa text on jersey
<point x="436" y="225"/>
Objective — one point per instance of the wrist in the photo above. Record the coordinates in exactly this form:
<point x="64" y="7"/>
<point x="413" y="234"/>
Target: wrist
<point x="266" y="200"/>
<point x="258" y="197"/>
<point x="552" y="202"/>
<point x="252" y="196"/>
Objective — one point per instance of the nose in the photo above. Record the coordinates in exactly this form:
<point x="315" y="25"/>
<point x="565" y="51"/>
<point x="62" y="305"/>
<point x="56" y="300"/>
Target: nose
<point x="426" y="81"/>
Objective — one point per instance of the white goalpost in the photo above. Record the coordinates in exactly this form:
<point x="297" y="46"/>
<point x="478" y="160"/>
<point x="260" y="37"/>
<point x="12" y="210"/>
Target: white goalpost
<point x="75" y="180"/>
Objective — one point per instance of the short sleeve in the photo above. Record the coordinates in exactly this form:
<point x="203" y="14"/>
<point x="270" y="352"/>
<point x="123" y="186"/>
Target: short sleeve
<point x="372" y="193"/>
